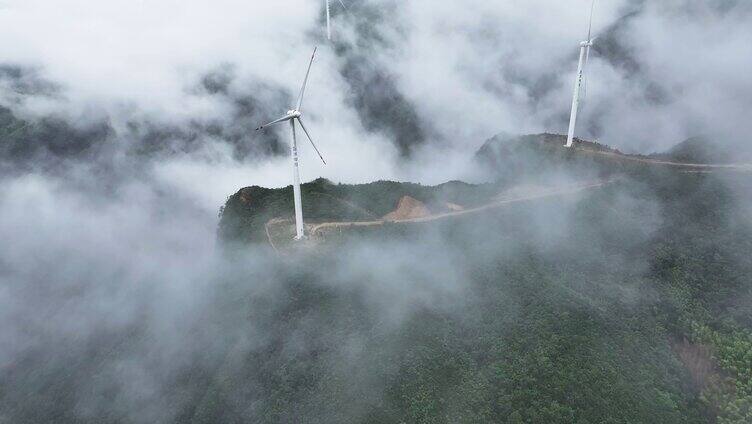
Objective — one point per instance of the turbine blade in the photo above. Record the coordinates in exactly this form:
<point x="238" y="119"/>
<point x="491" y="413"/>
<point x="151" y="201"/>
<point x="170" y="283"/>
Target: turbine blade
<point x="590" y="27"/>
<point x="277" y="121"/>
<point x="305" y="130"/>
<point x="305" y="81"/>
<point x="328" y="22"/>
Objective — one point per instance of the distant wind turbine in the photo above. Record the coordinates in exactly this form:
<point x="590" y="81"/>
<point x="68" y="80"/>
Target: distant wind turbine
<point x="329" y="18"/>
<point x="294" y="115"/>
<point x="584" y="57"/>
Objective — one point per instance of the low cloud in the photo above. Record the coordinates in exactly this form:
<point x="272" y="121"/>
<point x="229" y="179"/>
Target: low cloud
<point x="130" y="122"/>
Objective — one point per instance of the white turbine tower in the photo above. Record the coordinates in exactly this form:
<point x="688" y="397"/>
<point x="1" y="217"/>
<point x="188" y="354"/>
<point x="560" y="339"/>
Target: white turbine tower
<point x="584" y="56"/>
<point x="329" y="18"/>
<point x="292" y="116"/>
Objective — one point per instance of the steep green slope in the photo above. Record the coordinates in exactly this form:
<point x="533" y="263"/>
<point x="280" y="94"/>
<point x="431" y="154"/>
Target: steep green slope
<point x="565" y="310"/>
<point x="579" y="325"/>
<point x="699" y="150"/>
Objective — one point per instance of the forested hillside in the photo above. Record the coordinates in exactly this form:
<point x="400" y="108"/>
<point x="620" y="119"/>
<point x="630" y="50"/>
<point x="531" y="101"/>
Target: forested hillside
<point x="630" y="304"/>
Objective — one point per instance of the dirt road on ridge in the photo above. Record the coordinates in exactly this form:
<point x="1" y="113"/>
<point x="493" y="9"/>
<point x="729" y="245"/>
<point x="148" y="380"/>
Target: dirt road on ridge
<point x="741" y="167"/>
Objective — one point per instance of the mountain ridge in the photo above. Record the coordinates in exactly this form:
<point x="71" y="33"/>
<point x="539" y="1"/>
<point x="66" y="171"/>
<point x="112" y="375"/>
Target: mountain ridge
<point x="510" y="160"/>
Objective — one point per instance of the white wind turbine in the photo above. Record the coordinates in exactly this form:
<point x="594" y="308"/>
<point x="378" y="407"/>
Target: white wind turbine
<point x="584" y="56"/>
<point x="329" y="18"/>
<point x="292" y="116"/>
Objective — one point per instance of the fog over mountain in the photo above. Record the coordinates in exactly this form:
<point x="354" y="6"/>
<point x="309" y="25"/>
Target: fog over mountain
<point x="399" y="76"/>
<point x="126" y="124"/>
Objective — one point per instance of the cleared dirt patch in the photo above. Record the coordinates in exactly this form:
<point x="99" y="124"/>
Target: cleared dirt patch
<point x="698" y="359"/>
<point x="408" y="208"/>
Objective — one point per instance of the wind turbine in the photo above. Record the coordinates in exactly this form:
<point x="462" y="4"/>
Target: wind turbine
<point x="329" y="18"/>
<point x="292" y="116"/>
<point x="584" y="57"/>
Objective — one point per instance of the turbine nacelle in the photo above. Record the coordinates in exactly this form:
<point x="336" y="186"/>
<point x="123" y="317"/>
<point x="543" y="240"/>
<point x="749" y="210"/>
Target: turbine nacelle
<point x="293" y="113"/>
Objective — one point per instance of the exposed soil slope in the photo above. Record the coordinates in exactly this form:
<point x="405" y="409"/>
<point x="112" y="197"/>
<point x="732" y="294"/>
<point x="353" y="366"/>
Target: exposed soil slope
<point x="408" y="208"/>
